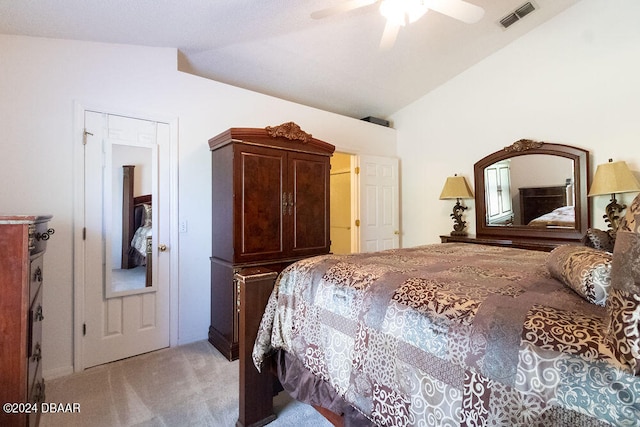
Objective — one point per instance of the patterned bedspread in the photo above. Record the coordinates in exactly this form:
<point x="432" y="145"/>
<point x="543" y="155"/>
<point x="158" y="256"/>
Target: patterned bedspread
<point x="450" y="334"/>
<point x="139" y="241"/>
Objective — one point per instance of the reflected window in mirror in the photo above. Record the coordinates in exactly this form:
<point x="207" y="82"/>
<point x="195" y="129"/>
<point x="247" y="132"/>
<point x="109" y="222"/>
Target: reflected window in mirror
<point x="498" y="193"/>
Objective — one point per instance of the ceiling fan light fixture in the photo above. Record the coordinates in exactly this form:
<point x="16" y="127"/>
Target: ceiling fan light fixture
<point x="393" y="11"/>
<point x="398" y="12"/>
<point x="416" y="10"/>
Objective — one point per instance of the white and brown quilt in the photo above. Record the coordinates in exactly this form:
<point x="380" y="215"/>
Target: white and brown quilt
<point x="448" y="335"/>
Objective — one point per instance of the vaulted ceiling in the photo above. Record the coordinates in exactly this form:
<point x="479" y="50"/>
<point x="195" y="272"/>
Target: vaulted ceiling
<point x="274" y="46"/>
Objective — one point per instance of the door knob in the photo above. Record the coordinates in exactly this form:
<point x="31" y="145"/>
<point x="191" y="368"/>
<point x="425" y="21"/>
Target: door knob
<point x="396" y="232"/>
<point x="162" y="248"/>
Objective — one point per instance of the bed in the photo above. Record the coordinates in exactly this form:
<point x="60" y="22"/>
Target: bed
<point x="136" y="226"/>
<point x="452" y="334"/>
<point x="563" y="216"/>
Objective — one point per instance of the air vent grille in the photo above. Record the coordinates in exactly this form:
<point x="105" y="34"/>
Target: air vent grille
<point x="510" y="19"/>
<point x="524" y="10"/>
<point x="517" y="15"/>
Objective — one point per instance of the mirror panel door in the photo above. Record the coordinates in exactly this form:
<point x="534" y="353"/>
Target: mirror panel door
<point x="128" y="221"/>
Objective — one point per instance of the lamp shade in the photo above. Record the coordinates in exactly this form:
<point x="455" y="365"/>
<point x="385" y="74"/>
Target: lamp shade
<point x="613" y="177"/>
<point x="456" y="187"/>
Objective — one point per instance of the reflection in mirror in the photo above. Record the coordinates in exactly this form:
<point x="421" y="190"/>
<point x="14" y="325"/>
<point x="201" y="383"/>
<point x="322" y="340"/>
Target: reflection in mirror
<point x="535" y="190"/>
<point x="131" y="229"/>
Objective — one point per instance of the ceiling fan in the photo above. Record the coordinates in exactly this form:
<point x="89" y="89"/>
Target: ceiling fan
<point x="400" y="12"/>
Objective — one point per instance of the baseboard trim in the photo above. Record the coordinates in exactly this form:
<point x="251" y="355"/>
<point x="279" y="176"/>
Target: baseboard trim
<point x="50" y="374"/>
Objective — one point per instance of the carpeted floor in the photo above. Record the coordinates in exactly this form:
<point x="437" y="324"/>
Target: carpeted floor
<point x="190" y="385"/>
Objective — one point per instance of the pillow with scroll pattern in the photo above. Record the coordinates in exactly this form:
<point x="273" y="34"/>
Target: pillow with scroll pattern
<point x="631" y="220"/>
<point x="147" y="215"/>
<point x="585" y="270"/>
<point x="623" y="304"/>
<point x="598" y="239"/>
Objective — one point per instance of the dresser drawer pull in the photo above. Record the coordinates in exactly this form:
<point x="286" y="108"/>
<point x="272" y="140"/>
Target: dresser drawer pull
<point x="37" y="276"/>
<point x="37" y="354"/>
<point x="45" y="235"/>
<point x="39" y="316"/>
<point x="38" y="395"/>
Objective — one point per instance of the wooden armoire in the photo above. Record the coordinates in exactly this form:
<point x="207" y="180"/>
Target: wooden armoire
<point x="270" y="207"/>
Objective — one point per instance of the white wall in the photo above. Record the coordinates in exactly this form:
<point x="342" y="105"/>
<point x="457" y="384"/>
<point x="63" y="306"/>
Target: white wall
<point x="573" y="80"/>
<point x="40" y="79"/>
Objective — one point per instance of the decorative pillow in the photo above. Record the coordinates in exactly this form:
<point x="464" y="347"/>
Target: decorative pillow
<point x="623" y="303"/>
<point x="631" y="220"/>
<point x="598" y="239"/>
<point x="147" y="215"/>
<point x="585" y="270"/>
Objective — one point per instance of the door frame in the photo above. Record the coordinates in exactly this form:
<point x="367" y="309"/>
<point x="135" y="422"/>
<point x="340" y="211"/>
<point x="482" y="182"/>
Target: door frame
<point x="78" y="224"/>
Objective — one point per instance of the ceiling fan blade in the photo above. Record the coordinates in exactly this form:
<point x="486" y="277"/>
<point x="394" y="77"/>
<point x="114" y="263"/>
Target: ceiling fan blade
<point x="457" y="9"/>
<point x="341" y="8"/>
<point x="389" y="35"/>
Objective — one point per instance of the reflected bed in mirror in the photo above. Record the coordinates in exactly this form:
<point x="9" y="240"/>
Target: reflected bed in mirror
<point x="131" y="258"/>
<point x="135" y="271"/>
<point x="533" y="190"/>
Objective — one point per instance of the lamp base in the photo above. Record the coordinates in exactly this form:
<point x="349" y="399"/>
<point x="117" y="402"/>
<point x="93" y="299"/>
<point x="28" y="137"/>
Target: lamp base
<point x="613" y="209"/>
<point x="458" y="224"/>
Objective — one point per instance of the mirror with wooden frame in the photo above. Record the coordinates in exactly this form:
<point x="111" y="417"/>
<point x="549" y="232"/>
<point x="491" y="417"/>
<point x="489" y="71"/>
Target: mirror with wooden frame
<point x="533" y="190"/>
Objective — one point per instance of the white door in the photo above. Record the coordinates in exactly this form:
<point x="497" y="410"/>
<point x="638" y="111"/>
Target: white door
<point x="379" y="203"/>
<point x="123" y="320"/>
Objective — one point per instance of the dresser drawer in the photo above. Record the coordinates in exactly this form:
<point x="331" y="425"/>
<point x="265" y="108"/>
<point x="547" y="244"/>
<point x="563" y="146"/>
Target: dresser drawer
<point x="35" y="382"/>
<point x="36" y="395"/>
<point x="38" y="236"/>
<point x="36" y="277"/>
<point x="36" y="316"/>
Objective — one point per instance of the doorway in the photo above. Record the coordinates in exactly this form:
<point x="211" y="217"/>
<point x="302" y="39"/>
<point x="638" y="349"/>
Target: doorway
<point x="123" y="284"/>
<point x="341" y="201"/>
<point x="364" y="203"/>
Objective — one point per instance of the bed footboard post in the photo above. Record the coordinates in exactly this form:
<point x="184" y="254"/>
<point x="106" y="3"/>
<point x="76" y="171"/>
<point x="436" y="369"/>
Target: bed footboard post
<point x="256" y="389"/>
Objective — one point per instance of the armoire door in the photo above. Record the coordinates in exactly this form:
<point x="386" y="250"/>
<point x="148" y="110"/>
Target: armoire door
<point x="259" y="202"/>
<point x="308" y="203"/>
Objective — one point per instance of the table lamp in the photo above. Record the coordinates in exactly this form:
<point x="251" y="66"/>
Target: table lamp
<point x="456" y="187"/>
<point x="612" y="178"/>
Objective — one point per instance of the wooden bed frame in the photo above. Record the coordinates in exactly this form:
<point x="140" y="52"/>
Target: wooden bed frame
<point x="129" y="225"/>
<point x="258" y="388"/>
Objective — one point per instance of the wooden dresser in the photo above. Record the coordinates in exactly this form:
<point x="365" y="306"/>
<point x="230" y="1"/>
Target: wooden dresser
<point x="270" y="207"/>
<point x="545" y="245"/>
<point x="537" y="201"/>
<point x="23" y="240"/>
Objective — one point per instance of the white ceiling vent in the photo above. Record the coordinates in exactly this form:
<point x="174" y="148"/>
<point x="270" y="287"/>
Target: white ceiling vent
<point x="517" y="14"/>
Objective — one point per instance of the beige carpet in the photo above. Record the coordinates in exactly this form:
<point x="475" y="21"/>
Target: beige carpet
<point x="190" y="385"/>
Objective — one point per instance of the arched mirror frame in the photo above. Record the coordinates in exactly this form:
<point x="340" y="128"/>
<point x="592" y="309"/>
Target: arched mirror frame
<point x="525" y="147"/>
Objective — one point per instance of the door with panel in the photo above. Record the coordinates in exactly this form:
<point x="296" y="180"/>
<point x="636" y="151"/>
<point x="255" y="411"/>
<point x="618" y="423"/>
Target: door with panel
<point x="123" y="316"/>
<point x="379" y="203"/>
<point x="308" y="203"/>
<point x="283" y="204"/>
<point x="260" y="202"/>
